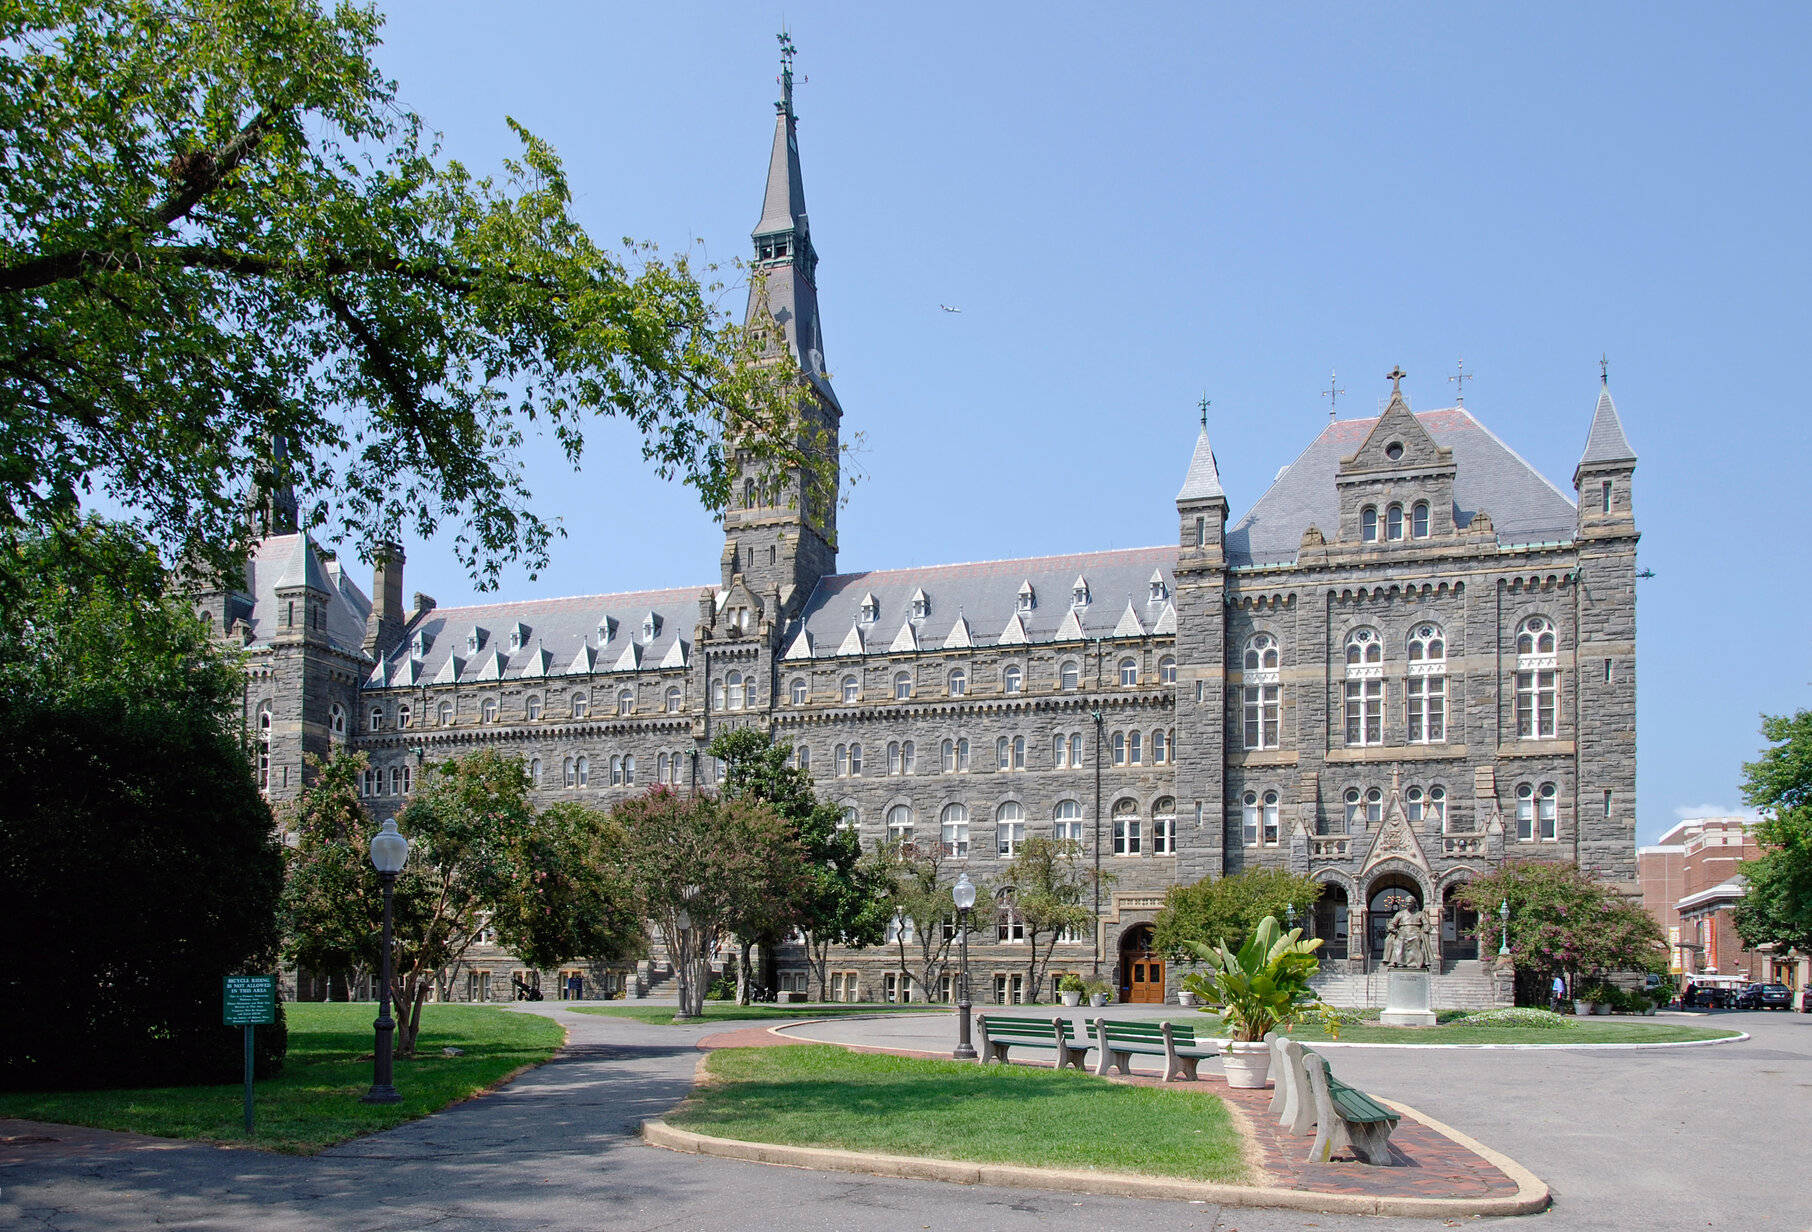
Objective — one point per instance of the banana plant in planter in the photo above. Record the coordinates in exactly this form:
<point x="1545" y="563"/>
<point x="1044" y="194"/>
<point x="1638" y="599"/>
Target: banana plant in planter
<point x="1255" y="990"/>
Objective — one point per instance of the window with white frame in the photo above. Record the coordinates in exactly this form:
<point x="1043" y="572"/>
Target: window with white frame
<point x="908" y="758"/>
<point x="581" y="705"/>
<point x="1537" y="680"/>
<point x="1368" y="524"/>
<point x="902" y="686"/>
<point x="899" y="824"/>
<point x="660" y="768"/>
<point x="1393" y="522"/>
<point x="336" y="720"/>
<point x="1069" y="674"/>
<point x="958" y="682"/>
<point x="1364" y="687"/>
<point x="444" y="714"/>
<point x="1129" y="672"/>
<point x="1426" y="693"/>
<point x="1060" y="751"/>
<point x="487" y="710"/>
<point x="953" y="830"/>
<point x="376" y="719"/>
<point x="534" y="772"/>
<point x="1075" y="750"/>
<point x="1248" y="818"/>
<point x="1537" y="813"/>
<point x="1263" y="693"/>
<point x="531" y="706"/>
<point x="1013" y="679"/>
<point x="871" y="610"/>
<point x="1164" y="827"/>
<point x="1128" y="829"/>
<point x="373" y="781"/>
<point x="1353" y="810"/>
<point x="796" y="691"/>
<point x="851" y="690"/>
<point x="947" y="756"/>
<point x="1118" y="745"/>
<point x="1167" y="670"/>
<point x="1066" y="821"/>
<point x="1017" y="752"/>
<point x="1374" y="805"/>
<point x="1009" y="925"/>
<point x="674" y="699"/>
<point x="583" y="769"/>
<point x="719" y="697"/>
<point x="733" y="685"/>
<point x="1428" y="806"/>
<point x="568" y="773"/>
<point x="962" y="754"/>
<point x="1027" y="598"/>
<point x="625" y="702"/>
<point x="616" y="771"/>
<point x="1079" y="594"/>
<point x="855" y="759"/>
<point x="1418" y="520"/>
<point x="1135" y="748"/>
<point x="893" y="757"/>
<point x="1162" y="742"/>
<point x="1009" y="828"/>
<point x="403" y="717"/>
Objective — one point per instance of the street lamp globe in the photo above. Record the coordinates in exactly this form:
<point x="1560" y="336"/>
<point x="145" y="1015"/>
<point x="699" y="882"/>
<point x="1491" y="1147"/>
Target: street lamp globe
<point x="963" y="892"/>
<point x="389" y="850"/>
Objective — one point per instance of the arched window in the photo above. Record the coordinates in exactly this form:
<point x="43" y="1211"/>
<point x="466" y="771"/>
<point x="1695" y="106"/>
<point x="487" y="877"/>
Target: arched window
<point x="674" y="699"/>
<point x="1128" y="830"/>
<point x="487" y="710"/>
<point x="1160" y="748"/>
<point x="1019" y="753"/>
<point x="959" y="682"/>
<point x="581" y="705"/>
<point x="1164" y="827"/>
<point x="902" y="686"/>
<point x="568" y="773"/>
<point x="1393" y="522"/>
<point x="1167" y="670"/>
<point x="842" y="756"/>
<point x="1353" y="803"/>
<point x="532" y="706"/>
<point x="1118" y="744"/>
<point x="947" y="756"/>
<point x="625" y="702"/>
<point x="1418" y="520"/>
<point x="1269" y="810"/>
<point x="1075" y="750"/>
<point x="1437" y="808"/>
<point x="1427" y="692"/>
<point x="899" y="824"/>
<point x="264" y="747"/>
<point x="893" y="757"/>
<point x="534" y="772"/>
<point x="1129" y="673"/>
<point x="1013" y="678"/>
<point x="402" y="716"/>
<point x="1374" y="805"/>
<point x="1537" y="680"/>
<point x="336" y="720"/>
<point x="1537" y="813"/>
<point x="796" y="691"/>
<point x="1066" y="822"/>
<point x="907" y="759"/>
<point x="1249" y="817"/>
<point x="616" y="771"/>
<point x="802" y="756"/>
<point x="376" y="719"/>
<point x="962" y="754"/>
<point x="583" y="768"/>
<point x="1413" y="802"/>
<point x="660" y="768"/>
<point x="1069" y="675"/>
<point x="855" y="759"/>
<point x="1135" y="751"/>
<point x="1009" y="828"/>
<point x="733" y="682"/>
<point x="1364" y="687"/>
<point x="851" y="819"/>
<point x="629" y="770"/>
<point x="1262" y="692"/>
<point x="444" y="714"/>
<point x="851" y="690"/>
<point x="1368" y="524"/>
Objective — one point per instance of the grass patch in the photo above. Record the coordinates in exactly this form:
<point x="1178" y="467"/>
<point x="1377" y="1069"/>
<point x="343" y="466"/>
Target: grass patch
<point x="719" y="1011"/>
<point x="314" y="1102"/>
<point x="1585" y="1031"/>
<point x="818" y="1095"/>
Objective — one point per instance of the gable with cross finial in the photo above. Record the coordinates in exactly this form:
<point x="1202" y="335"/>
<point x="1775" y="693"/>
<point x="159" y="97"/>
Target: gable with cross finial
<point x="1396" y="838"/>
<point x="1398" y="441"/>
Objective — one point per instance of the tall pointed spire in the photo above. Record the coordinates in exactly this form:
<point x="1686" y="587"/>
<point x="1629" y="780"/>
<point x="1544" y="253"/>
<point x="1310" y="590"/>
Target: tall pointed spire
<point x="1606" y="442"/>
<point x="785" y="263"/>
<point x="1203" y="482"/>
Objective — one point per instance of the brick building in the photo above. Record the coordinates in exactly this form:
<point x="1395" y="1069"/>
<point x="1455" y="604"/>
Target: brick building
<point x="1413" y="657"/>
<point x="1691" y="884"/>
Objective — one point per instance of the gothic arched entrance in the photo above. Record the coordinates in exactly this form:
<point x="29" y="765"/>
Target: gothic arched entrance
<point x="1459" y="925"/>
<point x="1330" y="919"/>
<point x="1141" y="970"/>
<point x="1390" y="895"/>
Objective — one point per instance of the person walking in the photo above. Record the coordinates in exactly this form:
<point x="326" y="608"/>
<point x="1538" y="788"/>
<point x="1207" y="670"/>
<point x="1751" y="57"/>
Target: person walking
<point x="1559" y="996"/>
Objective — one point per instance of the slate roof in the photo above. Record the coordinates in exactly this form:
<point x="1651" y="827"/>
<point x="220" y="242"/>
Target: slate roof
<point x="1525" y="507"/>
<point x="985" y="596"/>
<point x="557" y="632"/>
<point x="1203" y="482"/>
<point x="283" y="561"/>
<point x="1606" y="442"/>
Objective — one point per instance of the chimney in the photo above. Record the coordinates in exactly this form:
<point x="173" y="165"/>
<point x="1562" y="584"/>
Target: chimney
<point x="384" y="627"/>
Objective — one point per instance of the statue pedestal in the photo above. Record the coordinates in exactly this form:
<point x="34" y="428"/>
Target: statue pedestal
<point x="1408" y="1000"/>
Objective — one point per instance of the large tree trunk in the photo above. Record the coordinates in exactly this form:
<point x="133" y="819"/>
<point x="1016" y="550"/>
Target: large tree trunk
<point x="817" y="957"/>
<point x="744" y="985"/>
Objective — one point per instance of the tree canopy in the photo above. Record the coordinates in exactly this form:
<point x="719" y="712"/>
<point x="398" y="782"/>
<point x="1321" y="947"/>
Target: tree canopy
<point x="1562" y="921"/>
<point x="1778" y="906"/>
<point x="1224" y="910"/>
<point x="230" y="260"/>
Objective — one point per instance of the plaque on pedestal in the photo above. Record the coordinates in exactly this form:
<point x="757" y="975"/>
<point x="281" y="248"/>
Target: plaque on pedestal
<point x="1408" y="1000"/>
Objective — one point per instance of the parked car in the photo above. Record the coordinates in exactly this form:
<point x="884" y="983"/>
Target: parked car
<point x="1805" y="999"/>
<point x="1774" y="997"/>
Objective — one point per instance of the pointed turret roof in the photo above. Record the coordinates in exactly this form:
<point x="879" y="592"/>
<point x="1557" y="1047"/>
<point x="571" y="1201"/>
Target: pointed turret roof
<point x="1203" y="482"/>
<point x="1606" y="442"/>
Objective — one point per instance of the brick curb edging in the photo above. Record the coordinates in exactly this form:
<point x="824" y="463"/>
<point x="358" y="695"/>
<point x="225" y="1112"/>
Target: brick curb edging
<point x="1531" y="1194"/>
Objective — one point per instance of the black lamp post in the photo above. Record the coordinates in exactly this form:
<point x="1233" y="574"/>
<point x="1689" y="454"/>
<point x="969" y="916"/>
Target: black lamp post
<point x="389" y="851"/>
<point x="1096" y="972"/>
<point x="964" y="894"/>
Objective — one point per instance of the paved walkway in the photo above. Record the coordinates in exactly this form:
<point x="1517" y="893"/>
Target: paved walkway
<point x="1665" y="1140"/>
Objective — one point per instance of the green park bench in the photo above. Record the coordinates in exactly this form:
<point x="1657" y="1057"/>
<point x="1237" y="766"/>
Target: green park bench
<point x="1000" y="1032"/>
<point x="1346" y="1116"/>
<point x="1174" y="1041"/>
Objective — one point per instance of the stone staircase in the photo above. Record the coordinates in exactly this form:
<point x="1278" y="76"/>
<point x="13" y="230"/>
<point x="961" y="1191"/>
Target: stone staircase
<point x="1463" y="984"/>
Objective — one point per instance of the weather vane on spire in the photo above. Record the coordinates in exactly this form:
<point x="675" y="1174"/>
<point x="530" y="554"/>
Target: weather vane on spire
<point x="1604" y="368"/>
<point x="787" y="52"/>
<point x="1205" y="404"/>
<point x="1459" y="378"/>
<point x="1332" y="392"/>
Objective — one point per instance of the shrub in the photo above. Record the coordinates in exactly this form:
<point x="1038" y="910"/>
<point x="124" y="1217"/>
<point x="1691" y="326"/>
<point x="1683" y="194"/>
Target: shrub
<point x="1522" y="1016"/>
<point x="1072" y="982"/>
<point x="723" y="988"/>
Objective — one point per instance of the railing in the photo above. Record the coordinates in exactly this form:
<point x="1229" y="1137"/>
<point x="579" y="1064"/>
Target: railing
<point x="1463" y="844"/>
<point x="1334" y="848"/>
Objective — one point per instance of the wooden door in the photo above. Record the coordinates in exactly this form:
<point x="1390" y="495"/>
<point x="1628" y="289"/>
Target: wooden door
<point x="1143" y="978"/>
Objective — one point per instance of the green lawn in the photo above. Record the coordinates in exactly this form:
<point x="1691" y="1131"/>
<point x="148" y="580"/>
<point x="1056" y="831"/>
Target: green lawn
<point x="818" y="1095"/>
<point x="1583" y="1032"/>
<point x="728" y="1011"/>
<point x="314" y="1102"/>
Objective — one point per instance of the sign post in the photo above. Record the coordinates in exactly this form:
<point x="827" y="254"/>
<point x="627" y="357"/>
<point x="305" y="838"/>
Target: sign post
<point x="248" y="1001"/>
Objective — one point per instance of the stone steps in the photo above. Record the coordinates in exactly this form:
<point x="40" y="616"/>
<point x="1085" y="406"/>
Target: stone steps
<point x="1463" y="985"/>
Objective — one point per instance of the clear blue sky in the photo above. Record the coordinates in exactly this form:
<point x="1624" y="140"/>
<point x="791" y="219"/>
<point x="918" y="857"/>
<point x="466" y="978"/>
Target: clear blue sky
<point x="1133" y="206"/>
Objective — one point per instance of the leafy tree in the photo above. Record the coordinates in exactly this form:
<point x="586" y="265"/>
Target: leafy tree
<point x="1778" y="906"/>
<point x="838" y="904"/>
<point x="138" y="863"/>
<point x="1045" y="885"/>
<point x="1561" y="921"/>
<point x="567" y="894"/>
<point x="231" y="260"/>
<point x="915" y="903"/>
<point x="700" y="866"/>
<point x="1225" y="910"/>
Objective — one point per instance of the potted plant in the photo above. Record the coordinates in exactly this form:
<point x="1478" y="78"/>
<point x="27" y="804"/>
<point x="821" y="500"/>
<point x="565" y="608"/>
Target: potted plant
<point x="1070" y="989"/>
<point x="1258" y="989"/>
<point x="1185" y="998"/>
<point x="1097" y="990"/>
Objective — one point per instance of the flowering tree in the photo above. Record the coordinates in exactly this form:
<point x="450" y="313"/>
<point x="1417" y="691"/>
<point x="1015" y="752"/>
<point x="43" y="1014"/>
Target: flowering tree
<point x="1561" y="921"/>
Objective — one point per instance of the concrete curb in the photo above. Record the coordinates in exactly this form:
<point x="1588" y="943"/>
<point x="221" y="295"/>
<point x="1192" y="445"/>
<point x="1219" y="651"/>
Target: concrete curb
<point x="1531" y="1195"/>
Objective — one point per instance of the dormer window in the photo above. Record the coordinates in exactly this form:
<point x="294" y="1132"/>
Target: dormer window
<point x="1028" y="598"/>
<point x="1079" y="593"/>
<point x="519" y="637"/>
<point x="1160" y="591"/>
<point x="651" y="626"/>
<point x="871" y="610"/>
<point x="420" y="644"/>
<point x="475" y="639"/>
<point x="607" y="629"/>
<point x="921" y="606"/>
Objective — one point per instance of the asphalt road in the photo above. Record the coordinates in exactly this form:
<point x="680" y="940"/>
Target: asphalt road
<point x="1653" y="1139"/>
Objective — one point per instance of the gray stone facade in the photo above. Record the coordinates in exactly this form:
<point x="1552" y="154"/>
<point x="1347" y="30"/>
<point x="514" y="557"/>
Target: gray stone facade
<point x="1412" y="659"/>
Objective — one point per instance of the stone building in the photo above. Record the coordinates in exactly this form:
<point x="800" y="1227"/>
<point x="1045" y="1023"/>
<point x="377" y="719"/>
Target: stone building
<point x="1413" y="658"/>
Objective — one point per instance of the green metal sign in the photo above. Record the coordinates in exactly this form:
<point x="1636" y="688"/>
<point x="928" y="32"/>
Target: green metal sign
<point x="248" y="1000"/>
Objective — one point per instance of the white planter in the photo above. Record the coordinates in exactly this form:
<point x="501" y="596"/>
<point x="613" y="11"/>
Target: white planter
<point x="1246" y="1065"/>
<point x="1582" y="1008"/>
<point x="1186" y="1000"/>
<point x="1071" y="999"/>
<point x="1097" y="1000"/>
